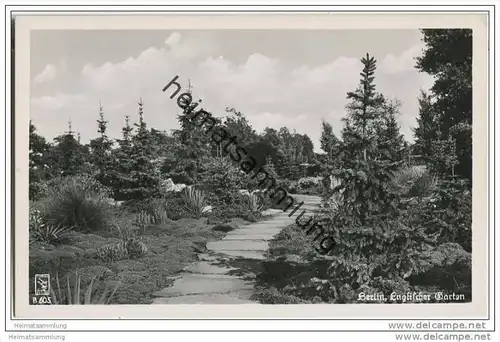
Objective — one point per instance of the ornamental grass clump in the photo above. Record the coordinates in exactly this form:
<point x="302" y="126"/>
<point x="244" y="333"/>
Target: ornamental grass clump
<point x="77" y="296"/>
<point x="194" y="201"/>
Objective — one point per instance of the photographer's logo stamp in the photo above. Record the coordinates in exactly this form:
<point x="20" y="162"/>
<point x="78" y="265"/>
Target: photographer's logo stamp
<point x="42" y="284"/>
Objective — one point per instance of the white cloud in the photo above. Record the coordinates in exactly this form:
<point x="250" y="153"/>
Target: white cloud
<point x="267" y="91"/>
<point x="173" y="39"/>
<point x="405" y="62"/>
<point x="58" y="101"/>
<point x="47" y="74"/>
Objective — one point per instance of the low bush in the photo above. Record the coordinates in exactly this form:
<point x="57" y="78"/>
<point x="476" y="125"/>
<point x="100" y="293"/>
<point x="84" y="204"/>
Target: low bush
<point x="309" y="182"/>
<point x="135" y="248"/>
<point x="221" y="180"/>
<point x="129" y="248"/>
<point x="240" y="208"/>
<point x="448" y="213"/>
<point x="274" y="296"/>
<point x="288" y="185"/>
<point x="175" y="208"/>
<point x="112" y="252"/>
<point x="307" y="186"/>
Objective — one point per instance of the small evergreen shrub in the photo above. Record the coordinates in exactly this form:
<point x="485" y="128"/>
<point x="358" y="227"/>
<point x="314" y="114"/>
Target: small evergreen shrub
<point x="222" y="179"/>
<point x="175" y="209"/>
<point x="112" y="252"/>
<point x="309" y="182"/>
<point x="129" y="248"/>
<point x="273" y="296"/>
<point x="134" y="248"/>
<point x="224" y="213"/>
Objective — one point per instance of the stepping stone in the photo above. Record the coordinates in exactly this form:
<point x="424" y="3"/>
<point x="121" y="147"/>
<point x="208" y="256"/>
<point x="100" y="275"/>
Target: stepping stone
<point x="207" y="257"/>
<point x="257" y="255"/>
<point x="210" y="281"/>
<point x="203" y="267"/>
<point x="271" y="212"/>
<point x="211" y="275"/>
<point x="196" y="284"/>
<point x="256" y="237"/>
<point x="232" y="245"/>
<point x="258" y="230"/>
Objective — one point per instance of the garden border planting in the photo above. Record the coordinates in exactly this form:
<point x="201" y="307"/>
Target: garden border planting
<point x="248" y="163"/>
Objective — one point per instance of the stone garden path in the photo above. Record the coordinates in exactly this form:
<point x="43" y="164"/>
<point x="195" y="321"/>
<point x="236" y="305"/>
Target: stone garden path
<point x="225" y="275"/>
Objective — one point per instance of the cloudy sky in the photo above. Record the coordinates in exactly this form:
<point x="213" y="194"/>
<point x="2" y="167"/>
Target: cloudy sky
<point x="276" y="78"/>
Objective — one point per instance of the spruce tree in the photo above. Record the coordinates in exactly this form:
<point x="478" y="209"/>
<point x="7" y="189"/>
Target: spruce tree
<point x="126" y="141"/>
<point x="362" y="173"/>
<point x="391" y="143"/>
<point x="145" y="173"/>
<point x="143" y="141"/>
<point x="427" y="127"/>
<point x="372" y="242"/>
<point x="67" y="154"/>
<point x="101" y="150"/>
<point x="363" y="111"/>
<point x="121" y="180"/>
<point x="192" y="146"/>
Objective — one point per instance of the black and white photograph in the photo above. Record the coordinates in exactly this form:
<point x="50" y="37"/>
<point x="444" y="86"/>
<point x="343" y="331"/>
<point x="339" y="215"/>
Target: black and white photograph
<point x="250" y="166"/>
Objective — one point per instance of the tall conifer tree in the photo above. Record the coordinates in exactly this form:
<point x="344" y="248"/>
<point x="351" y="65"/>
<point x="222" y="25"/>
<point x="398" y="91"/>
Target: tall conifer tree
<point x="448" y="57"/>
<point x="101" y="149"/>
<point x="120" y="175"/>
<point x="363" y="175"/>
<point x="67" y="154"/>
<point x="391" y="143"/>
<point x="427" y="129"/>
